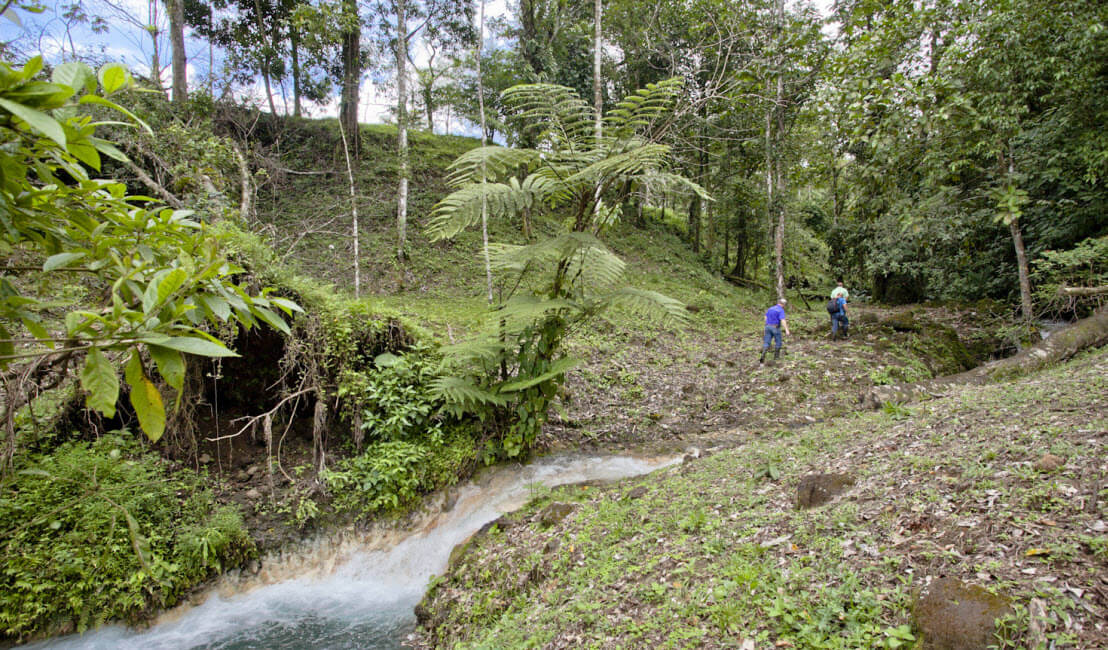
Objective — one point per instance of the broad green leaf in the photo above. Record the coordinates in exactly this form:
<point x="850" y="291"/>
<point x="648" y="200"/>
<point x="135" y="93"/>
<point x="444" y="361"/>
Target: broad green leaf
<point x="287" y="305"/>
<point x="171" y="283"/>
<point x="145" y="399"/>
<point x="386" y="360"/>
<point x="270" y="317"/>
<point x="97" y="99"/>
<point x="171" y="365"/>
<point x="60" y="260"/>
<point x="218" y="306"/>
<point x="191" y="345"/>
<point x="37" y="330"/>
<point x="98" y="378"/>
<point x="113" y="76"/>
<point x="39" y="121"/>
<point x="7" y="348"/>
<point x="86" y="153"/>
<point x="77" y="76"/>
<point x="108" y="149"/>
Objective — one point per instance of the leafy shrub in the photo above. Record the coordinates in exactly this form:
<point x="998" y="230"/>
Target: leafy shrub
<point x="386" y="476"/>
<point x="393" y="401"/>
<point x="1085" y="265"/>
<point x="99" y="531"/>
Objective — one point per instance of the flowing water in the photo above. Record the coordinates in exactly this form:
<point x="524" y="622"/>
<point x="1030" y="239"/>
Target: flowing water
<point x="352" y="590"/>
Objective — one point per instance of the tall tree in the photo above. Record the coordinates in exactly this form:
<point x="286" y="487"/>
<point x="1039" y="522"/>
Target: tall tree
<point x="176" y="11"/>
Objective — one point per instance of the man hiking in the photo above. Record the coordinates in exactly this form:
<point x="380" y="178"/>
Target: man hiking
<point x="775" y="322"/>
<point x="836" y="307"/>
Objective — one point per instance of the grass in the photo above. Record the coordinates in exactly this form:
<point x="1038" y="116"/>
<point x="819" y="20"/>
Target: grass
<point x="714" y="553"/>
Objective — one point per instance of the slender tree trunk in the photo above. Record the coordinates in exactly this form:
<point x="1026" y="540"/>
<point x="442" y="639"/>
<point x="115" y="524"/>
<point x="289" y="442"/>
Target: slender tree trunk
<point x="779" y="190"/>
<point x="211" y="56"/>
<point x="1021" y="261"/>
<point x="402" y="126"/>
<point x="484" y="142"/>
<point x="176" y="10"/>
<point x="597" y="93"/>
<point x="294" y="49"/>
<point x="353" y="212"/>
<point x="351" y="76"/>
<point x="835" y="207"/>
<point x="265" y="58"/>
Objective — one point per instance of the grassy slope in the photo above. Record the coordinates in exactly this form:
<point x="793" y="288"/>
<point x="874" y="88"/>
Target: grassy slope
<point x="713" y="553"/>
<point x="638" y="382"/>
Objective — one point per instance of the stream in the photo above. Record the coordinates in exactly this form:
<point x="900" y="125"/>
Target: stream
<point x="357" y="590"/>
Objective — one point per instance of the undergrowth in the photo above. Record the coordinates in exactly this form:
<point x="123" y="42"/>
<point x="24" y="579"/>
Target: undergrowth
<point x="102" y="530"/>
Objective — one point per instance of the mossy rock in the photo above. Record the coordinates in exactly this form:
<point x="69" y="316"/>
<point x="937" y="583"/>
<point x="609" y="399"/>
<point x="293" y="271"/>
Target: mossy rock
<point x="817" y="489"/>
<point x="952" y="615"/>
<point x="904" y="321"/>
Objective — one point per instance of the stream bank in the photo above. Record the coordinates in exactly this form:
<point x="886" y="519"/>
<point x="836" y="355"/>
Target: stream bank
<point x="355" y="588"/>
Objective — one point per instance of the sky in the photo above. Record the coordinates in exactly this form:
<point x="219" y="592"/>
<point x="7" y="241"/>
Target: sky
<point x="112" y="30"/>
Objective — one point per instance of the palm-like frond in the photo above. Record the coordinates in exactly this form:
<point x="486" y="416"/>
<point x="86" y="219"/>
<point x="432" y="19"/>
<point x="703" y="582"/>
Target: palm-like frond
<point x="552" y="113"/>
<point x="499" y="162"/>
<point x="462" y="207"/>
<point x="621" y="166"/>
<point x="585" y="254"/>
<point x="462" y="395"/>
<point x="523" y="311"/>
<point x="662" y="182"/>
<point x="649" y="304"/>
<point x="559" y="367"/>
<point x="645" y="106"/>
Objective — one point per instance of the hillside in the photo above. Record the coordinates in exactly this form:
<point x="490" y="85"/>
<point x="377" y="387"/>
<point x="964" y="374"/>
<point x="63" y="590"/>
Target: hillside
<point x="1001" y="487"/>
<point x="638" y="383"/>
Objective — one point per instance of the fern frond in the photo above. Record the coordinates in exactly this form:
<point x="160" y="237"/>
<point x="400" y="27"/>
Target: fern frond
<point x="559" y="367"/>
<point x="551" y="113"/>
<point x="500" y="163"/>
<point x="660" y="182"/>
<point x="642" y="108"/>
<point x="465" y="394"/>
<point x="523" y="311"/>
<point x="462" y="207"/>
<point x="648" y="304"/>
<point x="629" y="164"/>
<point x="482" y="349"/>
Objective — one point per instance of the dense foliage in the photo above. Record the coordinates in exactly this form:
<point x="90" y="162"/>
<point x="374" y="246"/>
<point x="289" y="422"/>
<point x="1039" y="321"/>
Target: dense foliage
<point x="102" y="531"/>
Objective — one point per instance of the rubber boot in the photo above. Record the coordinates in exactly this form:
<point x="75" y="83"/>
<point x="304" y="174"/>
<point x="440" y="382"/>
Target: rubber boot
<point x="846" y="331"/>
<point x="777" y="354"/>
<point x="762" y="359"/>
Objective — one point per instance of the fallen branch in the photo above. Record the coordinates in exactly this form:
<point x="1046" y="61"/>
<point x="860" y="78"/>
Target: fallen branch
<point x="1061" y="345"/>
<point x="156" y="187"/>
<point x="1081" y="292"/>
<point x="247" y="206"/>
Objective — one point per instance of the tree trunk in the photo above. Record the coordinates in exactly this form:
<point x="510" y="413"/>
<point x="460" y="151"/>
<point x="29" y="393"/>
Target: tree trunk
<point x="353" y="213"/>
<point x="484" y="142"/>
<point x="351" y="76"/>
<point x="294" y="48"/>
<point x="1021" y="263"/>
<point x="1061" y="345"/>
<point x="402" y="126"/>
<point x="265" y="58"/>
<point x="176" y="10"/>
<point x="597" y="92"/>
<point x="779" y="190"/>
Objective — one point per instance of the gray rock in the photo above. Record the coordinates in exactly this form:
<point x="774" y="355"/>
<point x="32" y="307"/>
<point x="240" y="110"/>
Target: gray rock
<point x="253" y="494"/>
<point x="205" y="459"/>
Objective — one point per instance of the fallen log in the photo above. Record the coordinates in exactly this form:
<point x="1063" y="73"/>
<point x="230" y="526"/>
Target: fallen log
<point x="1061" y="345"/>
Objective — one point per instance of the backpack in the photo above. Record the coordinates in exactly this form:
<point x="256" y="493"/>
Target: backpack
<point x="833" y="306"/>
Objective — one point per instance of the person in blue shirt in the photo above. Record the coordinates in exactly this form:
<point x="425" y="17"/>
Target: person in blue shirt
<point x="775" y="322"/>
<point x="839" y="321"/>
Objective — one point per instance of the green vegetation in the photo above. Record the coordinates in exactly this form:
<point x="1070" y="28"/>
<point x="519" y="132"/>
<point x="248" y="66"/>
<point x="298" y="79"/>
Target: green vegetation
<point x="714" y="553"/>
<point x="105" y="530"/>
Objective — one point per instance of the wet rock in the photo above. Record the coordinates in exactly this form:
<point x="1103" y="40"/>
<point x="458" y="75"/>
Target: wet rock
<point x="952" y="615"/>
<point x="637" y="492"/>
<point x="450" y="501"/>
<point x="555" y="513"/>
<point x="252" y="470"/>
<point x="1049" y="463"/>
<point x="691" y="454"/>
<point x="818" y="489"/>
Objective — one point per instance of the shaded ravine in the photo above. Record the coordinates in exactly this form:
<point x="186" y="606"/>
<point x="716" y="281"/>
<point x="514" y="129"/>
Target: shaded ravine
<point x="353" y="590"/>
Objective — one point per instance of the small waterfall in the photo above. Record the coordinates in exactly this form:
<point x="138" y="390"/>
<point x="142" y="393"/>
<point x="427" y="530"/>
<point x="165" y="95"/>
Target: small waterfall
<point x="353" y="589"/>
